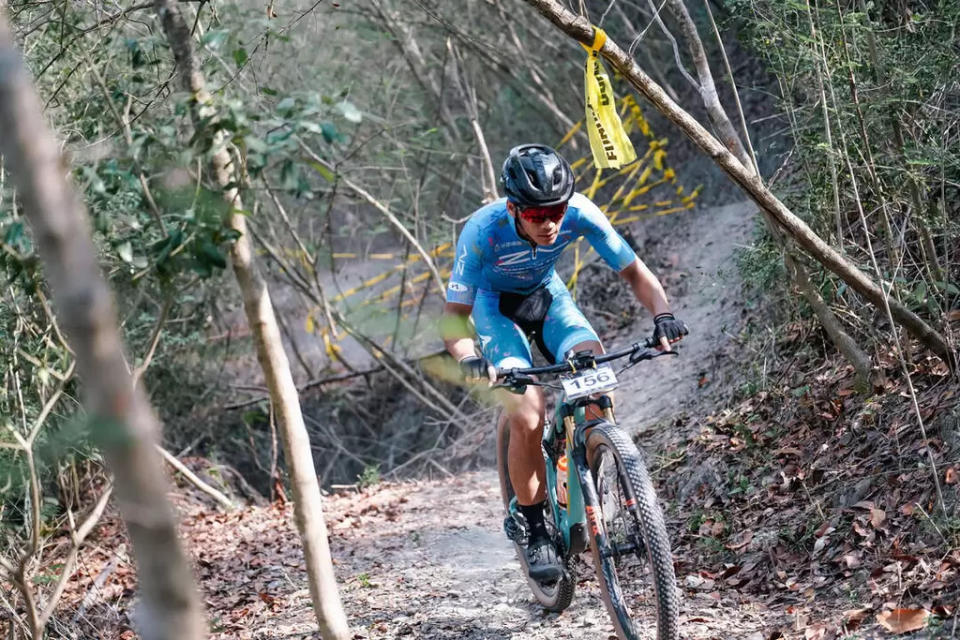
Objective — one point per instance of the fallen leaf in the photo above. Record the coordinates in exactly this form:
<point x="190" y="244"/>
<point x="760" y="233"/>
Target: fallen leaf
<point x="943" y="610"/>
<point x="951" y="476"/>
<point x="816" y="632"/>
<point x="853" y="559"/>
<point x="903" y="620"/>
<point x="853" y="617"/>
<point x="694" y="581"/>
<point x="877" y="517"/>
<point x="820" y="544"/>
<point x="783" y="451"/>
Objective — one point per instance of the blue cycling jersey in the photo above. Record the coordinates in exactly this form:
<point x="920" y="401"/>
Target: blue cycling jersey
<point x="491" y="255"/>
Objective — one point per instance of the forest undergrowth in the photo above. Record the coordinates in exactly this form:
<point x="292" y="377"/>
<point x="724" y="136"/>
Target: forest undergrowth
<point x="808" y="494"/>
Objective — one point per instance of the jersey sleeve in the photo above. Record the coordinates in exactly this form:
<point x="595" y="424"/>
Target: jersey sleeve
<point x="465" y="275"/>
<point x="601" y="235"/>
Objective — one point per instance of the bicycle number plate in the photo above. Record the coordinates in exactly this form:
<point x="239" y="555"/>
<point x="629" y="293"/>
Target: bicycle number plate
<point x="589" y="381"/>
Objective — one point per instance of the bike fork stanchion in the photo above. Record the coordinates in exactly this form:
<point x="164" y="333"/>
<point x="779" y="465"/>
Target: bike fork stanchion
<point x="591" y="501"/>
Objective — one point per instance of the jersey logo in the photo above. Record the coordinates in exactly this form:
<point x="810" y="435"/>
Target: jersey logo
<point x="457" y="287"/>
<point x="462" y="260"/>
<point x="519" y="257"/>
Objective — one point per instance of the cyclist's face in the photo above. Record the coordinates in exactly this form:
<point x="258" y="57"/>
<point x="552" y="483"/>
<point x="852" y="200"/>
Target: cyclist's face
<point x="539" y="225"/>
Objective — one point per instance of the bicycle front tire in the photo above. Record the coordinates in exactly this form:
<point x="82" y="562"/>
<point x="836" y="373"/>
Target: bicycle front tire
<point x="626" y="515"/>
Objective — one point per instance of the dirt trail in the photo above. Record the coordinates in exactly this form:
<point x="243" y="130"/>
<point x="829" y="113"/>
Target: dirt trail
<point x="415" y="560"/>
<point x="696" y="260"/>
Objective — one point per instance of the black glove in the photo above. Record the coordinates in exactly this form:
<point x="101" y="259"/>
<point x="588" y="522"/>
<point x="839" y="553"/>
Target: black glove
<point x="668" y="327"/>
<point x="474" y="368"/>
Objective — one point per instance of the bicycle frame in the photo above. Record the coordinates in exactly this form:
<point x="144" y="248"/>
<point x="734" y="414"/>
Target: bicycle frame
<point x="570" y="423"/>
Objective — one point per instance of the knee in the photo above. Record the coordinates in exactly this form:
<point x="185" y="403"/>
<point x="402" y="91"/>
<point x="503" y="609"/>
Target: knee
<point x="526" y="425"/>
<point x="526" y="420"/>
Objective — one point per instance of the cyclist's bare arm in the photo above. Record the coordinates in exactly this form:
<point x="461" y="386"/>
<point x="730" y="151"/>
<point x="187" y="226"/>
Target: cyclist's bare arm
<point x="456" y="331"/>
<point x="648" y="290"/>
<point x="646" y="287"/>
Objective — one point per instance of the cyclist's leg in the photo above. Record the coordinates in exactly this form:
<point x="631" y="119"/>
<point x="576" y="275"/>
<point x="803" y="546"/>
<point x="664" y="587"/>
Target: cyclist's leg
<point x="504" y="344"/>
<point x="566" y="329"/>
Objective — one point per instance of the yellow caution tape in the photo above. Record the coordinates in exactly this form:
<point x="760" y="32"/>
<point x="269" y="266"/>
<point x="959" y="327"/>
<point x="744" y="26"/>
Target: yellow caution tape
<point x="609" y="142"/>
<point x="570" y="134"/>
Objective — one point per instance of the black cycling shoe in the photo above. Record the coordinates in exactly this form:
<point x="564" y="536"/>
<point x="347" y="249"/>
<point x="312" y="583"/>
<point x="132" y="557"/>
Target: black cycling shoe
<point x="543" y="562"/>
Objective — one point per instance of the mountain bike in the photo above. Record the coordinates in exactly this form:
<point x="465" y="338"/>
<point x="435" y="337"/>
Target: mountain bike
<point x="607" y="502"/>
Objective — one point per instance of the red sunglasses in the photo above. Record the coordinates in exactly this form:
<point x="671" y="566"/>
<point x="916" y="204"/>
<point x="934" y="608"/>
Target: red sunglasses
<point x="539" y="215"/>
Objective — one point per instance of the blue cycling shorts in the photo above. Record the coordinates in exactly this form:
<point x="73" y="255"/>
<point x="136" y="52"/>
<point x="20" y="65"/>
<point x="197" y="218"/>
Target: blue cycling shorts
<point x="505" y="344"/>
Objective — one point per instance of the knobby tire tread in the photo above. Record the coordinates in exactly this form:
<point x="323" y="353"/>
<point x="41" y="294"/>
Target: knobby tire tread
<point x="653" y="529"/>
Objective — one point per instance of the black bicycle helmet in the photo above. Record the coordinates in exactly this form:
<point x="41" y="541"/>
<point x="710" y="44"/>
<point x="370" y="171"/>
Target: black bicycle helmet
<point x="534" y="175"/>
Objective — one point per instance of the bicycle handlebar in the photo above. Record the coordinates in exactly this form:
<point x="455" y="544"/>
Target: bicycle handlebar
<point x="583" y="361"/>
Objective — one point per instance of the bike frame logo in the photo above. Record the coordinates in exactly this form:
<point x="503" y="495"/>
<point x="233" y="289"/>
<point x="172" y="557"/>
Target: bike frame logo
<point x="596" y="526"/>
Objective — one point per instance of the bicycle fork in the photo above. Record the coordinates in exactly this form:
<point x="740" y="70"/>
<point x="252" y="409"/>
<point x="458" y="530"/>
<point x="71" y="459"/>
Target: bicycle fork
<point x="592" y="501"/>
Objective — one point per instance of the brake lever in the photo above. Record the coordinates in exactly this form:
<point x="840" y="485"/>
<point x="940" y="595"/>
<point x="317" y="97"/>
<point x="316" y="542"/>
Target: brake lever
<point x="672" y="352"/>
<point x="515" y="384"/>
<point x="650" y="354"/>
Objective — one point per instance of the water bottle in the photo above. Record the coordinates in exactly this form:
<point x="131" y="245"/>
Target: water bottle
<point x="562" y="481"/>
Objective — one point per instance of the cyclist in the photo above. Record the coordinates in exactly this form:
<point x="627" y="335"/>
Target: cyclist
<point x="504" y="277"/>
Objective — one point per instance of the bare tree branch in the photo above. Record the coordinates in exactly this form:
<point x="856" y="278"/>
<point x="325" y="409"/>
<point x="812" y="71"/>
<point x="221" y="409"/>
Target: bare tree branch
<point x="387" y="213"/>
<point x="707" y="87"/>
<point x="469" y="94"/>
<point x="77" y="538"/>
<point x="194" y="479"/>
<point x="139" y="370"/>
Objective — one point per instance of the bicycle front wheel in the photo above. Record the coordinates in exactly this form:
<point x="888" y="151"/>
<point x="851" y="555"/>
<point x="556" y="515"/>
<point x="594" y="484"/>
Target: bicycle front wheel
<point x="628" y="538"/>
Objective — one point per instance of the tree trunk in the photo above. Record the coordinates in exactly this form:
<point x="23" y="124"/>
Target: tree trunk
<point x="580" y="29"/>
<point x="121" y="419"/>
<point x="847" y="345"/>
<point x="284" y="398"/>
